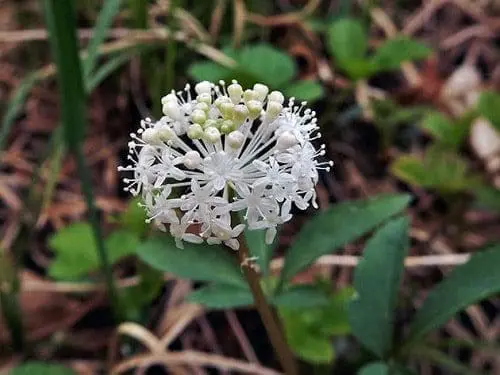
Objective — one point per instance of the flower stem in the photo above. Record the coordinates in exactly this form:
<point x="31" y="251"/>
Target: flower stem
<point x="271" y="324"/>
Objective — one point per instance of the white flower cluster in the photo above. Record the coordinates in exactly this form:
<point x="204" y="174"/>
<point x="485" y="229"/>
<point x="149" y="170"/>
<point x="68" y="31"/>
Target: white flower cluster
<point x="222" y="151"/>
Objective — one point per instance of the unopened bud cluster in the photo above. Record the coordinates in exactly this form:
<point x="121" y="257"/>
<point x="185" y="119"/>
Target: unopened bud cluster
<point x="225" y="150"/>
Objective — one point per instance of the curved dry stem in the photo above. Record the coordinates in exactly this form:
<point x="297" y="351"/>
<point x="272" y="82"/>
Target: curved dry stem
<point x="192" y="358"/>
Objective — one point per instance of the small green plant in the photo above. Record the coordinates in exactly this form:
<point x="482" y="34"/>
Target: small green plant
<point x="348" y="43"/>
<point x="41" y="368"/>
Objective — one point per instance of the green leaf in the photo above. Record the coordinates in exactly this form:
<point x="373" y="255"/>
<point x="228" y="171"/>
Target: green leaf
<point x="334" y="316"/>
<point x="196" y="261"/>
<point x="444" y="130"/>
<point x="336" y="227"/>
<point x="440" y="168"/>
<point x="40" y="368"/>
<point x="304" y="90"/>
<point x="134" y="218"/>
<point x="137" y="299"/>
<point x="102" y="25"/>
<point x="489" y="107"/>
<point x="256" y="242"/>
<point x="268" y="64"/>
<point x="221" y="296"/>
<point x="348" y="44"/>
<point x="208" y="71"/>
<point x="301" y="296"/>
<point x="310" y="329"/>
<point x="375" y="368"/>
<point x="75" y="250"/>
<point x="392" y="53"/>
<point x="487" y="197"/>
<point x="308" y="344"/>
<point x="467" y="284"/>
<point x="376" y="280"/>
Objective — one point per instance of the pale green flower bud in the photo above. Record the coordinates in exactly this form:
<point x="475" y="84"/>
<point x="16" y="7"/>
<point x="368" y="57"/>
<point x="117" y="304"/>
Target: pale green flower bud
<point x="172" y="110"/>
<point x="227" y="110"/>
<point x="235" y="139"/>
<point x="192" y="159"/>
<point x="276" y="96"/>
<point x="166" y="134"/>
<point x="273" y="110"/>
<point x="235" y="91"/>
<point x="254" y="108"/>
<point x="260" y="91"/>
<point x="249" y="95"/>
<point x="240" y="114"/>
<point x="204" y="98"/>
<point x="150" y="136"/>
<point x="220" y="100"/>
<point x="168" y="98"/>
<point x="195" y="131"/>
<point x="203" y="106"/>
<point x="227" y="126"/>
<point x="204" y="87"/>
<point x="212" y="135"/>
<point x="286" y="140"/>
<point x="211" y="123"/>
<point x="199" y="116"/>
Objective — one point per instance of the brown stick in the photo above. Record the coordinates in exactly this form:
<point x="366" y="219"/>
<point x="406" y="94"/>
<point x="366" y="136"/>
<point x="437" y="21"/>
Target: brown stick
<point x="273" y="329"/>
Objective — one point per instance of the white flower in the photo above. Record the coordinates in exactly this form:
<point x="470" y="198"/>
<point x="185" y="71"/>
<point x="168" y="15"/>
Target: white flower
<point x="222" y="151"/>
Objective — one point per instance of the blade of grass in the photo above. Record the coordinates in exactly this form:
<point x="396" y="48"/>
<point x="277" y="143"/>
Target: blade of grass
<point x="139" y="11"/>
<point x="15" y="105"/>
<point x="103" y="23"/>
<point x="112" y="65"/>
<point x="9" y="302"/>
<point x="61" y="23"/>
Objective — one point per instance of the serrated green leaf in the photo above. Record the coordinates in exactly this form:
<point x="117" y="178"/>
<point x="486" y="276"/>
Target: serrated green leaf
<point x="268" y="64"/>
<point x="489" y="107"/>
<point x="221" y="296"/>
<point x="40" y="368"/>
<point x="447" y="132"/>
<point x="304" y="90"/>
<point x="301" y="296"/>
<point x="200" y="262"/>
<point x="347" y="42"/>
<point x="467" y="284"/>
<point x="391" y="54"/>
<point x="410" y="169"/>
<point x="336" y="227"/>
<point x="440" y="168"/>
<point x="376" y="280"/>
<point x="75" y="250"/>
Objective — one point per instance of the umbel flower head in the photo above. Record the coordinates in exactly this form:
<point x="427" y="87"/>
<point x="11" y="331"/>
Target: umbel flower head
<point x="222" y="151"/>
